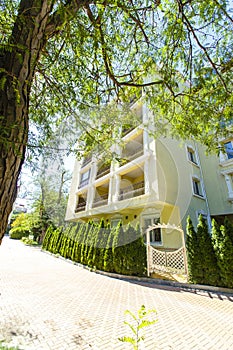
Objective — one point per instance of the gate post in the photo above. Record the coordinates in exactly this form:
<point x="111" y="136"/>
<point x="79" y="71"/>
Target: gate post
<point x="148" y="251"/>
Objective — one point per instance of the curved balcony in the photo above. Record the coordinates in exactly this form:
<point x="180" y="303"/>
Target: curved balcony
<point x="99" y="201"/>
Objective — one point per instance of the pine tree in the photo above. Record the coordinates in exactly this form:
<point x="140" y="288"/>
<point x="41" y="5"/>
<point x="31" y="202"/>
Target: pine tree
<point x="216" y="236"/>
<point x="108" y="254"/>
<point x="91" y="245"/>
<point x="229" y="228"/>
<point x="225" y="261"/>
<point x="193" y="257"/>
<point x="47" y="238"/>
<point x="130" y="255"/>
<point x="208" y="261"/>
<point x="140" y="257"/>
<point x="103" y="246"/>
<point x="80" y="229"/>
<point x="119" y="249"/>
<point x="97" y="245"/>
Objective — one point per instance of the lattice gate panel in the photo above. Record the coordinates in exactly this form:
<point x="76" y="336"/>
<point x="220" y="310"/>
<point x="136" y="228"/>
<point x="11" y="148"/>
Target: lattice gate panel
<point x="158" y="259"/>
<point x="175" y="260"/>
<point x="167" y="261"/>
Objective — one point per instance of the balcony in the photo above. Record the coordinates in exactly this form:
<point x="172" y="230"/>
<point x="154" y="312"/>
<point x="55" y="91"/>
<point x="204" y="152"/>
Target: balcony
<point x="103" y="171"/>
<point x="128" y="156"/>
<point x="80" y="207"/>
<point x="132" y="191"/>
<point x="126" y="130"/>
<point x="99" y="201"/>
<point x="86" y="160"/>
<point x="83" y="183"/>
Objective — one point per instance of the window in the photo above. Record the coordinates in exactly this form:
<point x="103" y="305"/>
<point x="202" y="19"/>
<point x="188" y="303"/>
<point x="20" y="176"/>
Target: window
<point x="84" y="178"/>
<point x="197" y="187"/>
<point x="191" y="155"/>
<point x="229" y="149"/>
<point x="155" y="234"/>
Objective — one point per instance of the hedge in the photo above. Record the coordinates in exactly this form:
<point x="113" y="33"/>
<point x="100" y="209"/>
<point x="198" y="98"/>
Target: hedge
<point x="120" y="250"/>
<point x="210" y="255"/>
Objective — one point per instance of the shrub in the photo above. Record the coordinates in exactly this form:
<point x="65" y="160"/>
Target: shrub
<point x="20" y="227"/>
<point x="109" y="249"/>
<point x="29" y="241"/>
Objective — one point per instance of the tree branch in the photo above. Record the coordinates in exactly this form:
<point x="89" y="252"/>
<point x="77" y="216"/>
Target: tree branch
<point x="64" y="14"/>
<point x="203" y="48"/>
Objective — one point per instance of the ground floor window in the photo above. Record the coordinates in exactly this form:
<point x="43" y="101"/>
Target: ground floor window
<point x="155" y="234"/>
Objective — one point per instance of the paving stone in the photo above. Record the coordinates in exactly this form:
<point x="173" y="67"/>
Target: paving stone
<point x="49" y="304"/>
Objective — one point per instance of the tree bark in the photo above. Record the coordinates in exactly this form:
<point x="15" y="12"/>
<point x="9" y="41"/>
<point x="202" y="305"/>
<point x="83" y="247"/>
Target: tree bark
<point x="17" y="67"/>
<point x="36" y="22"/>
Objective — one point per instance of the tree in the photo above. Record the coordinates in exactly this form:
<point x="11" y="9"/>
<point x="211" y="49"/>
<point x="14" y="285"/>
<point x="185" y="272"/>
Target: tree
<point x="193" y="256"/>
<point x="59" y="56"/>
<point x="206" y="252"/>
<point x="225" y="255"/>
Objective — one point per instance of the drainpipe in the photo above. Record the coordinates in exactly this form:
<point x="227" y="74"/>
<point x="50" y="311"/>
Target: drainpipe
<point x="204" y="191"/>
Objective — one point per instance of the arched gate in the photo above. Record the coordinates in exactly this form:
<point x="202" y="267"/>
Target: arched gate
<point x="167" y="261"/>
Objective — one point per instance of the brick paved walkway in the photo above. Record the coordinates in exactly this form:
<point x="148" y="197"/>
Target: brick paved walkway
<point x="47" y="303"/>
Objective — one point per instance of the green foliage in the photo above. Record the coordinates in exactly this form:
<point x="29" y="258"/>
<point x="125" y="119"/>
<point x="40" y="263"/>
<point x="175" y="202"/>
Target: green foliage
<point x="193" y="257"/>
<point x="86" y="243"/>
<point x="95" y="245"/>
<point x="210" y="258"/>
<point x="210" y="273"/>
<point x="189" y="68"/>
<point x="137" y="324"/>
<point x="119" y="249"/>
<point x="29" y="241"/>
<point x="4" y="346"/>
<point x="108" y="253"/>
<point x="20" y="227"/>
<point x="202" y="263"/>
<point x="225" y="256"/>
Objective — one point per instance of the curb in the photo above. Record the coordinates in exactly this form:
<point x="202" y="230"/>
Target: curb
<point x="149" y="280"/>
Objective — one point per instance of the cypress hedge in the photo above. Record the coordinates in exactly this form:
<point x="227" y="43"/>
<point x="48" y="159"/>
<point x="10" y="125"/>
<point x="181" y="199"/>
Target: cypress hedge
<point x="210" y="255"/>
<point x="98" y="246"/>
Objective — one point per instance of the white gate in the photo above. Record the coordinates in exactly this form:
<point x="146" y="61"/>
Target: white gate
<point x="166" y="261"/>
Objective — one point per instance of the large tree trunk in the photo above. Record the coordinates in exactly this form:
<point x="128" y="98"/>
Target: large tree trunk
<point x="17" y="67"/>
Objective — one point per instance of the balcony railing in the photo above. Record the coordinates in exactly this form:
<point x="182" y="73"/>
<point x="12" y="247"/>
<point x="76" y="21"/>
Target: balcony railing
<point x="126" y="130"/>
<point x="80" y="207"/>
<point x="83" y="183"/>
<point x="134" y="190"/>
<point x="99" y="201"/>
<point x="131" y="155"/>
<point x="103" y="171"/>
<point x="86" y="160"/>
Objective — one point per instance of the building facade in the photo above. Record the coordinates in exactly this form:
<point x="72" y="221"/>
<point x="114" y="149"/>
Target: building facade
<point x="150" y="181"/>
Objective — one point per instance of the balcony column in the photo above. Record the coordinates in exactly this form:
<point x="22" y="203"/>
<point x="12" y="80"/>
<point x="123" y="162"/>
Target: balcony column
<point x="110" y="190"/>
<point x="146" y="176"/>
<point x="115" y="196"/>
<point x="145" y="141"/>
<point x="91" y="188"/>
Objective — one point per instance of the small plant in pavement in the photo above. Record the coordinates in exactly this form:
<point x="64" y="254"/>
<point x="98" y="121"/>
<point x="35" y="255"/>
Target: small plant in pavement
<point x="143" y="319"/>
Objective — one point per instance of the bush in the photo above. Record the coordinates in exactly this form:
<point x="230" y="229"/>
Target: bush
<point x="20" y="227"/>
<point x="29" y="241"/>
<point x="210" y="257"/>
<point x="17" y="233"/>
<point x="105" y="248"/>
